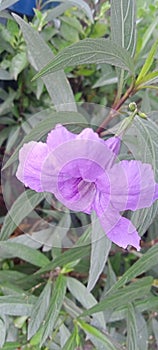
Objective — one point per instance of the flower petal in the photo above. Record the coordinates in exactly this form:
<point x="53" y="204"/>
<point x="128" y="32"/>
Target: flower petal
<point x="132" y="185"/>
<point x="58" y="136"/>
<point x="114" y="144"/>
<point x="31" y="159"/>
<point x="119" y="229"/>
<point x="89" y="134"/>
<point x="77" y="158"/>
<point x="155" y="193"/>
<point x="124" y="234"/>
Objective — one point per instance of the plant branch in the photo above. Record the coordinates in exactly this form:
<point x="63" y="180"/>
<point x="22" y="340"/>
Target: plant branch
<point x="115" y="107"/>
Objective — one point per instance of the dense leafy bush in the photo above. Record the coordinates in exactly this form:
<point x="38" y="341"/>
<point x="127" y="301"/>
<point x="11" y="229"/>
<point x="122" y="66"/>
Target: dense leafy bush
<point x="63" y="284"/>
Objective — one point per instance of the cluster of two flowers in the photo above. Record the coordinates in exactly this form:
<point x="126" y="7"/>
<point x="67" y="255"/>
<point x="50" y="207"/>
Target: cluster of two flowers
<point x="82" y="172"/>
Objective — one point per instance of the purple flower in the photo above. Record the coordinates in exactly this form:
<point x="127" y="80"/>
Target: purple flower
<point x="81" y="171"/>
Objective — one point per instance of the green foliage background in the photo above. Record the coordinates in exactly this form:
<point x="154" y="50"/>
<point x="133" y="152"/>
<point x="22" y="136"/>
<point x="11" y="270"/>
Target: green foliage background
<point x="94" y="295"/>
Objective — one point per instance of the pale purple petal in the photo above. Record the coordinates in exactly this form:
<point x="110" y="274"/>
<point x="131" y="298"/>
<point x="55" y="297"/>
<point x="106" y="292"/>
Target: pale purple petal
<point x="78" y="197"/>
<point x="102" y="198"/>
<point x="70" y="157"/>
<point x="119" y="229"/>
<point x="89" y="134"/>
<point x="155" y="193"/>
<point x="114" y="144"/>
<point x="132" y="185"/>
<point x="31" y="159"/>
<point x="68" y="188"/>
<point x="58" y="136"/>
<point x="89" y="170"/>
<point x="76" y="194"/>
<point x="124" y="234"/>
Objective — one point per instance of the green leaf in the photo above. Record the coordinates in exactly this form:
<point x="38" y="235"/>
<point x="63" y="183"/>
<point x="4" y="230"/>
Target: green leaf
<point x="147" y="35"/>
<point x="90" y="51"/>
<point x="132" y="339"/>
<point x="100" y="248"/>
<point x="64" y="5"/>
<point x="71" y="308"/>
<point x="155" y="328"/>
<point x="145" y="263"/>
<point x="23" y="206"/>
<point x="2" y="332"/>
<point x="39" y="310"/>
<point x="12" y="138"/>
<point x="6" y="3"/>
<point x="151" y="78"/>
<point x="123" y="24"/>
<point x="66" y="257"/>
<point x="15" y="305"/>
<point x="64" y="334"/>
<point x="57" y="11"/>
<point x="12" y="276"/>
<point x="57" y="234"/>
<point x="82" y="5"/>
<point x="85" y="298"/>
<point x="7" y="105"/>
<point x="25" y="253"/>
<point x="71" y="342"/>
<point x="144" y="86"/>
<point x="40" y="54"/>
<point x="46" y="125"/>
<point x="122" y="296"/>
<point x="68" y="32"/>
<point x="18" y="63"/>
<point x="142" y="331"/>
<point x="4" y="74"/>
<point x="54" y="307"/>
<point x="145" y="149"/>
<point x="104" y="80"/>
<point x="148" y="63"/>
<point x="4" y="134"/>
<point x="90" y="330"/>
<point x="11" y="346"/>
<point x="148" y="303"/>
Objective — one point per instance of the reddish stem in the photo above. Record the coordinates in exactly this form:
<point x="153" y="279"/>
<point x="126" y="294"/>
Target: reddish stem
<point x="115" y="108"/>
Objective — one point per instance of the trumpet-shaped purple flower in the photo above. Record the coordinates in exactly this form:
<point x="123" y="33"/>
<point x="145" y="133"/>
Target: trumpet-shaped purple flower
<point x="81" y="171"/>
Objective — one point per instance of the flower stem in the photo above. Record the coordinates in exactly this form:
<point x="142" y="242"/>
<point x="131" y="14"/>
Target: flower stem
<point x="115" y="107"/>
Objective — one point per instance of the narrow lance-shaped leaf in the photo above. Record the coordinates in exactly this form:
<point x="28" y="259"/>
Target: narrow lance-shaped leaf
<point x="23" y="252"/>
<point x="69" y="3"/>
<point x="148" y="63"/>
<point x="15" y="305"/>
<point x="123" y="24"/>
<point x="23" y="206"/>
<point x="3" y="331"/>
<point x="85" y="298"/>
<point x="122" y="296"/>
<point x="39" y="310"/>
<point x="145" y="263"/>
<point x="146" y="36"/>
<point x="142" y="330"/>
<point x="54" y="307"/>
<point x="90" y="51"/>
<point x="155" y="328"/>
<point x="132" y="339"/>
<point x="90" y="330"/>
<point x="71" y="342"/>
<point x="4" y="4"/>
<point x="39" y="54"/>
<point x="67" y="257"/>
<point x="150" y="78"/>
<point x="100" y="248"/>
<point x="145" y="134"/>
